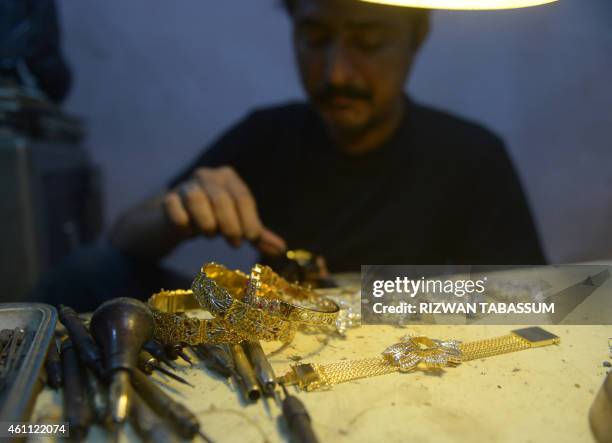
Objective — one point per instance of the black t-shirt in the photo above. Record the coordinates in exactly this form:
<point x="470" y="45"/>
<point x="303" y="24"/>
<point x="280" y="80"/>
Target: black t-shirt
<point x="440" y="191"/>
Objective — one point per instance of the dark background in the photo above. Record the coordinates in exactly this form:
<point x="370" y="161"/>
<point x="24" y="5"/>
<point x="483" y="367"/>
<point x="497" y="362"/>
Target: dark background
<point x="157" y="80"/>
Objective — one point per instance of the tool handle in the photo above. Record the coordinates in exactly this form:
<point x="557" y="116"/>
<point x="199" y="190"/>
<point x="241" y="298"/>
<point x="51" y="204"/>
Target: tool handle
<point x="53" y="366"/>
<point x="212" y="361"/>
<point x="77" y="409"/>
<point x="246" y="372"/>
<point x="148" y="425"/>
<point x="298" y="421"/>
<point x="184" y="421"/>
<point x="89" y="351"/>
<point x="263" y="369"/>
<point x="145" y="362"/>
<point x="122" y="326"/>
<point x="157" y="350"/>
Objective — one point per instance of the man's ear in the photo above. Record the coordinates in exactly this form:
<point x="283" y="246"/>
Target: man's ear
<point x="421" y="30"/>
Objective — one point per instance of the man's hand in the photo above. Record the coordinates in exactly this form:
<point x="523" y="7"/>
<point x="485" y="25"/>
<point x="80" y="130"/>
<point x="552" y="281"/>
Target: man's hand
<point x="217" y="201"/>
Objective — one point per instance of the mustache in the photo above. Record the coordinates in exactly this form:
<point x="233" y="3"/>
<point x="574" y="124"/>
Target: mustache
<point x="330" y="92"/>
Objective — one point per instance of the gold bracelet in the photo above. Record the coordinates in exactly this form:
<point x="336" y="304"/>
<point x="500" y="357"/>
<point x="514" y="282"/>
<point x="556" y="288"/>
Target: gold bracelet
<point x="230" y="294"/>
<point x="222" y="292"/>
<point x="172" y="325"/>
<point x="413" y="353"/>
<point x="269" y="291"/>
<point x="243" y="308"/>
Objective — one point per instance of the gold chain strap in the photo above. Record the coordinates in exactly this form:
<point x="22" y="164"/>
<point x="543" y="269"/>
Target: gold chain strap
<point x="342" y="371"/>
<point x="415" y="353"/>
<point x="492" y="346"/>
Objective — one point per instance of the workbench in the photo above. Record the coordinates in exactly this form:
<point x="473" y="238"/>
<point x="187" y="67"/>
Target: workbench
<point x="536" y="395"/>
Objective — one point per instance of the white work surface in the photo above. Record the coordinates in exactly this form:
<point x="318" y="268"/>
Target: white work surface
<point x="535" y="395"/>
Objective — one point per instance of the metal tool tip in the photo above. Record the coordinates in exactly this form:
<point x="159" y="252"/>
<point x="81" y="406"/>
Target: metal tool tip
<point x="204" y="437"/>
<point x="254" y="394"/>
<point x="269" y="387"/>
<point x="168" y="363"/>
<point x="282" y="385"/>
<point x="185" y="357"/>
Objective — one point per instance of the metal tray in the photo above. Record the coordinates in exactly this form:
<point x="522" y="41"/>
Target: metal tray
<point x="18" y="398"/>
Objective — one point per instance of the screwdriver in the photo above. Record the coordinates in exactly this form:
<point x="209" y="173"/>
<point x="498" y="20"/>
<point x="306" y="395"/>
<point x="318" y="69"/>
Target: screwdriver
<point x="147" y="363"/>
<point x="88" y="349"/>
<point x="156" y="349"/>
<point x="216" y="359"/>
<point x="175" y="351"/>
<point x="122" y="326"/>
<point x="182" y="419"/>
<point x="76" y="404"/>
<point x="53" y="366"/>
<point x="148" y="425"/>
<point x="297" y="418"/>
<point x="98" y="395"/>
<point x="261" y="365"/>
<point x="248" y="379"/>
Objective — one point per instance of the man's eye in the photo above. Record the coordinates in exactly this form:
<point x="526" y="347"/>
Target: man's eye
<point x="314" y="37"/>
<point x="369" y="43"/>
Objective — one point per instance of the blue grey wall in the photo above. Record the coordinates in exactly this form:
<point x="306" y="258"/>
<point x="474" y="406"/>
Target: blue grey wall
<point x="157" y="80"/>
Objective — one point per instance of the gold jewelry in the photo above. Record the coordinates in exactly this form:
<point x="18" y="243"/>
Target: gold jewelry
<point x="242" y="310"/>
<point x="269" y="291"/>
<point x="415" y="353"/>
<point x="172" y="325"/>
<point x="222" y="292"/>
<point x="228" y="293"/>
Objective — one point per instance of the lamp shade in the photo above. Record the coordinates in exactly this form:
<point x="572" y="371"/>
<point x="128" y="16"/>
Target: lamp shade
<point x="462" y="4"/>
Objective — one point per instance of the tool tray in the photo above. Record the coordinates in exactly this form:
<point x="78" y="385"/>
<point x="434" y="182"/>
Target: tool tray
<point x="17" y="397"/>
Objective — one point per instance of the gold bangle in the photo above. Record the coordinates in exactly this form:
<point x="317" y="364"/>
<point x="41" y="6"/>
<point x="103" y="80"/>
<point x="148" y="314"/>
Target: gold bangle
<point x="222" y="292"/>
<point x="414" y="353"/>
<point x="219" y="291"/>
<point x="172" y="325"/>
<point x="269" y="291"/>
<point x="243" y="308"/>
<point x="228" y="294"/>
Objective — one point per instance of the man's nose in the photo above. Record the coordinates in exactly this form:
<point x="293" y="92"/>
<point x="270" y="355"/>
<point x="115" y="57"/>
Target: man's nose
<point x="339" y="68"/>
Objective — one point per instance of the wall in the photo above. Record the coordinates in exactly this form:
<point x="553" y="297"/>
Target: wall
<point x="157" y="80"/>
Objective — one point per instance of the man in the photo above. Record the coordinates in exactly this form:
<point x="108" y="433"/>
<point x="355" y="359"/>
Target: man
<point x="360" y="174"/>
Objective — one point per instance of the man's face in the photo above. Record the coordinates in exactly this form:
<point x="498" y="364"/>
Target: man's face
<point x="353" y="59"/>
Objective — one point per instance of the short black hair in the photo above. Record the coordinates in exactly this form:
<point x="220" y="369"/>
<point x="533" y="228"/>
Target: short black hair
<point x="419" y="14"/>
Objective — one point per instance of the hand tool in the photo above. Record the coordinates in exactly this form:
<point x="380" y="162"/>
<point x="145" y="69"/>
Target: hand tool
<point x="263" y="370"/>
<point x="156" y="349"/>
<point x="217" y="359"/>
<point x="184" y="421"/>
<point x="88" y="349"/>
<point x="147" y="363"/>
<point x="249" y="384"/>
<point x="98" y="396"/>
<point x="53" y="366"/>
<point x="175" y="351"/>
<point x="77" y="409"/>
<point x="148" y="425"/>
<point x="121" y="326"/>
<point x="297" y="419"/>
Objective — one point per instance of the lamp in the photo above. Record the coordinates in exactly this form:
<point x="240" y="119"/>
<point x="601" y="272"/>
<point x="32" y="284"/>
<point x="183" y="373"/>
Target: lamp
<point x="462" y="4"/>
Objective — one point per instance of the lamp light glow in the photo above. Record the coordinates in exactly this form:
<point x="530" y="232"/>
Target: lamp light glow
<point x="463" y="4"/>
